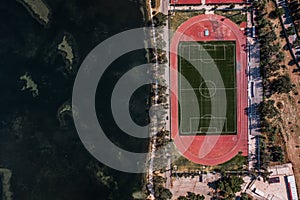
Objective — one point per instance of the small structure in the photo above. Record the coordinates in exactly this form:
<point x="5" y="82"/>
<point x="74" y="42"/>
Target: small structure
<point x="274" y="180"/>
<point x="280" y="186"/>
<point x="206" y="32"/>
<point x="292" y="190"/>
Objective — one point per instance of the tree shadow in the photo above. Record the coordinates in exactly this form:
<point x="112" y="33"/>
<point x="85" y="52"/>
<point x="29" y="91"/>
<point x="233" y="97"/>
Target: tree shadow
<point x="255" y="73"/>
<point x="213" y="184"/>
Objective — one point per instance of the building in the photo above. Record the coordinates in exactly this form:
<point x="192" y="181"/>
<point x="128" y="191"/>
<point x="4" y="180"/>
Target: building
<point x="280" y="186"/>
<point x="292" y="190"/>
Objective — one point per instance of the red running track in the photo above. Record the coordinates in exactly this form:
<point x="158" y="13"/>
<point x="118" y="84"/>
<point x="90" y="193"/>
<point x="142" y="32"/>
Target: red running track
<point x="213" y="149"/>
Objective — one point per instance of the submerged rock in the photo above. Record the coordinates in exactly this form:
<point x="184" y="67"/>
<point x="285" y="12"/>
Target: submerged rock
<point x="30" y="85"/>
<point x="38" y="9"/>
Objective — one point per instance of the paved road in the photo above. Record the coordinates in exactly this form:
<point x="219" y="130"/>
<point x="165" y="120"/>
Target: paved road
<point x="164" y="8"/>
<point x="255" y="90"/>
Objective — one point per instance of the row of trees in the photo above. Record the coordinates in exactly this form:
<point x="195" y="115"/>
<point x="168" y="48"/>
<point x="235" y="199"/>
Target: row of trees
<point x="191" y="196"/>
<point x="160" y="192"/>
<point x="269" y="152"/>
<point x="159" y="102"/>
<point x="270" y="53"/>
<point x="271" y="56"/>
<point x="294" y="7"/>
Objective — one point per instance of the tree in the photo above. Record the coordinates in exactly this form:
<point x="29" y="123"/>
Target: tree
<point x="276" y="154"/>
<point x="279" y="11"/>
<point x="290" y="31"/>
<point x="162" y="193"/>
<point x="267" y="109"/>
<point x="273" y="14"/>
<point x="191" y="196"/>
<point x="229" y="185"/>
<point x="244" y="196"/>
<point x="159" y="19"/>
<point x="282" y="84"/>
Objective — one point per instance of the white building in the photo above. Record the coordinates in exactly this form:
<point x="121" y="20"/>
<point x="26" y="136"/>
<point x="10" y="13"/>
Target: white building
<point x="292" y="190"/>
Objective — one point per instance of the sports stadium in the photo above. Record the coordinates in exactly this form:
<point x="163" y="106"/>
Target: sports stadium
<point x="209" y="89"/>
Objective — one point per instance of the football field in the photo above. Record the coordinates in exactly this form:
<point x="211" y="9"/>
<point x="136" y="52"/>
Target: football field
<point x="207" y="88"/>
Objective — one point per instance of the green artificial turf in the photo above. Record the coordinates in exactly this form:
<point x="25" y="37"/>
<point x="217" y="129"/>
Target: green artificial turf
<point x="207" y="83"/>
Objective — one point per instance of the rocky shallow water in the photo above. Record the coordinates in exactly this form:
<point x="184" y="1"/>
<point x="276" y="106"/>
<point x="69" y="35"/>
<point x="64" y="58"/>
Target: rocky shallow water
<point x="38" y="140"/>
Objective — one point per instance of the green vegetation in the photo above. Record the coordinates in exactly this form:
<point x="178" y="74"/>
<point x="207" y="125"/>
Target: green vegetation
<point x="263" y="154"/>
<point x="160" y="192"/>
<point x="294" y="7"/>
<point x="236" y="16"/>
<point x="270" y="54"/>
<point x="276" y="154"/>
<point x="197" y="58"/>
<point x="244" y="196"/>
<point x="177" y="18"/>
<point x="162" y="138"/>
<point x="267" y="109"/>
<point x="282" y="84"/>
<point x="278" y="12"/>
<point x="271" y="57"/>
<point x="228" y="186"/>
<point x="236" y="163"/>
<point x="159" y="19"/>
<point x="191" y="196"/>
<point x="290" y="31"/>
<point x="184" y="164"/>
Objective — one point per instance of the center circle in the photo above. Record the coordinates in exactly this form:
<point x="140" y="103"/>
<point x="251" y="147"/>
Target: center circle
<point x="207" y="89"/>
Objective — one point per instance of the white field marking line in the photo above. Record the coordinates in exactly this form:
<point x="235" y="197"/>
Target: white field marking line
<point x="182" y="89"/>
<point x="216" y="118"/>
<point x="235" y="102"/>
<point x="178" y="76"/>
<point x="234" y="117"/>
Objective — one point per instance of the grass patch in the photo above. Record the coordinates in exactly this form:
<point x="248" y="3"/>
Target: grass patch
<point x="236" y="16"/>
<point x="177" y="18"/>
<point x="185" y="165"/>
<point x="236" y="163"/>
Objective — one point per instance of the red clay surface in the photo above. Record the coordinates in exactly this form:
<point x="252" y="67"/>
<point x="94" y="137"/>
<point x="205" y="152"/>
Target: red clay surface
<point x="224" y="1"/>
<point x="213" y="149"/>
<point x="186" y="2"/>
<point x="198" y="2"/>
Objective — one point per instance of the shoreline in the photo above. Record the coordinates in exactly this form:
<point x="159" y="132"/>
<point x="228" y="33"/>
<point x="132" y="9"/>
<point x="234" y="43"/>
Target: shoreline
<point x="158" y="121"/>
<point x="147" y="17"/>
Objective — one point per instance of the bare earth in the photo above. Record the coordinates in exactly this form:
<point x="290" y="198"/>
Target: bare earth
<point x="290" y="113"/>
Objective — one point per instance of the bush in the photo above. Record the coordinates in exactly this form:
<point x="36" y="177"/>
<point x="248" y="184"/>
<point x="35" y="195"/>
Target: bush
<point x="282" y="84"/>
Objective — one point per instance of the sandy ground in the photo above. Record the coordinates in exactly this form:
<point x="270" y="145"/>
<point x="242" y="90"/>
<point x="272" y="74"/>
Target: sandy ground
<point x="290" y="113"/>
<point x="183" y="185"/>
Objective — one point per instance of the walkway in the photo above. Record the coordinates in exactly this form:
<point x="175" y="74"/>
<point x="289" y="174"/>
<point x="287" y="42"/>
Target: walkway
<point x="255" y="90"/>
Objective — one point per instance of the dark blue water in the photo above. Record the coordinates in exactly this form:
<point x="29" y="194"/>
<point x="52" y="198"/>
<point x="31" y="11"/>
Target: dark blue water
<point x="47" y="159"/>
